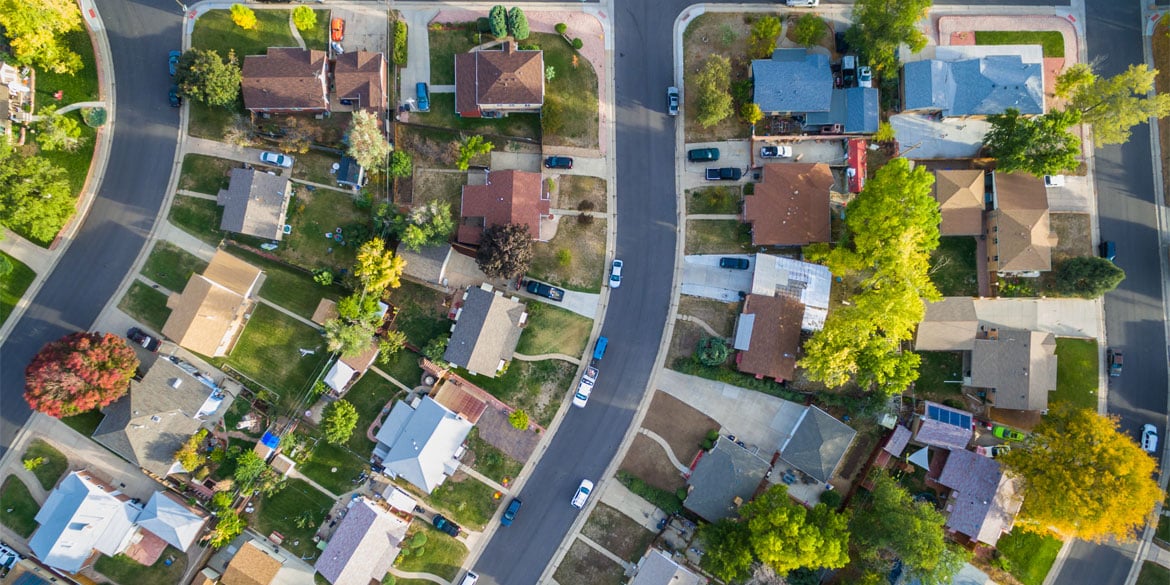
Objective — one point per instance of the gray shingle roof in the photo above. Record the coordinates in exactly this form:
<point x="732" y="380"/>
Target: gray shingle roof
<point x="419" y="444"/>
<point x="254" y="204"/>
<point x="983" y="501"/>
<point x="487" y="331"/>
<point x="979" y="87"/>
<point x="793" y="80"/>
<point x="171" y="520"/>
<point x="657" y="568"/>
<point x="855" y="108"/>
<point x="817" y="444"/>
<point x="724" y="473"/>
<point x="364" y="546"/>
<point x="1019" y="365"/>
<point x="429" y="264"/>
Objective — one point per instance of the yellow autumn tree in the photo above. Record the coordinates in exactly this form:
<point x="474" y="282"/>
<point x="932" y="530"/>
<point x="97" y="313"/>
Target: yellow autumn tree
<point x="377" y="267"/>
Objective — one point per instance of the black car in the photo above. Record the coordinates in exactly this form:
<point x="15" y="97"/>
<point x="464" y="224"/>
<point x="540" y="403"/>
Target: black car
<point x="173" y="96"/>
<point x="543" y="290"/>
<point x="558" y="162"/>
<point x="141" y="338"/>
<point x="734" y="263"/>
<point x="446" y="525"/>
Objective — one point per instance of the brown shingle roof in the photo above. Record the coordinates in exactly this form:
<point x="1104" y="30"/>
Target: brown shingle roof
<point x="361" y="76"/>
<point x="775" y="336"/>
<point x="251" y="566"/>
<point x="1019" y="235"/>
<point x="326" y="310"/>
<point x="285" y="80"/>
<point x="254" y="203"/>
<point x="208" y="314"/>
<point x="505" y="78"/>
<point x="508" y="197"/>
<point x="791" y="206"/>
<point x="960" y="199"/>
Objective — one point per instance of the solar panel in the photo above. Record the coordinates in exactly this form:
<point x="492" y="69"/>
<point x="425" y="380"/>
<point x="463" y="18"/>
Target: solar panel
<point x="948" y="416"/>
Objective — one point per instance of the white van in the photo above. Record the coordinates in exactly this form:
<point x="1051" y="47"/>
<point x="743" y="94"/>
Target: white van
<point x="469" y="579"/>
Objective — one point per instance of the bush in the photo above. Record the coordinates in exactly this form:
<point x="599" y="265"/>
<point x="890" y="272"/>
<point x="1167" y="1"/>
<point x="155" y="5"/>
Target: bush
<point x="712" y="351"/>
<point x="885" y="133"/>
<point x="518" y="419"/>
<point x="1087" y="277"/>
<point x="564" y="257"/>
<point x="810" y="29"/>
<point x="483" y="25"/>
<point x="518" y="24"/>
<point x="584" y="219"/>
<point x="94" y="117"/>
<point x="304" y="18"/>
<point x="577" y="44"/>
<point x="832" y="499"/>
<point x="561" y="28"/>
<point x="498" y="21"/>
<point x="243" y="16"/>
<point x="399" y="53"/>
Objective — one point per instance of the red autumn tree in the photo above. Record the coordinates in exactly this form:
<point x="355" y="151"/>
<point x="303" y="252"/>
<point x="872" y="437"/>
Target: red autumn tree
<point x="78" y="373"/>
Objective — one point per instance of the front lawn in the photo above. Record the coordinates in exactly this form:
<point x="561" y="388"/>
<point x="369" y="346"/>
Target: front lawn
<point x="206" y="174"/>
<point x="953" y="268"/>
<point x="85" y="423"/>
<point x="1153" y="574"/>
<point x="268" y="353"/>
<point x="535" y="387"/>
<point x="126" y="571"/>
<point x="422" y="314"/>
<point x="327" y="457"/>
<point x="585" y="565"/>
<point x="74" y="87"/>
<point x="1052" y="41"/>
<point x="312" y="214"/>
<point x="724" y="199"/>
<point x="938" y="368"/>
<point x="19" y="511"/>
<point x="146" y="304"/>
<point x="574" y="191"/>
<point x="443" y="114"/>
<point x="617" y="533"/>
<point x="171" y="266"/>
<point x="209" y="122"/>
<point x="570" y="100"/>
<point x="318" y="37"/>
<point x="215" y="30"/>
<point x="554" y="330"/>
<point x="491" y="461"/>
<point x="279" y="513"/>
<point x="1029" y="555"/>
<point x="198" y="217"/>
<point x="53" y="464"/>
<point x="441" y="555"/>
<point x="369" y="396"/>
<point x="1076" y="373"/>
<point x="285" y="285"/>
<point x="316" y="167"/>
<point x="13" y="285"/>
<point x="445" y="44"/>
<point x="718" y="236"/>
<point x="574" y="258"/>
<point x="469" y="502"/>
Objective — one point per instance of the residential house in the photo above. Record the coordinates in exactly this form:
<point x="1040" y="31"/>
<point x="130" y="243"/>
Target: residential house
<point x="790" y="207"/>
<point x="1019" y="236"/>
<point x="364" y="546"/>
<point x="286" y="81"/>
<point x="421" y="442"/>
<point x="806" y="282"/>
<point x="497" y="81"/>
<point x="153" y="421"/>
<point x="723" y="479"/>
<point x="854" y="109"/>
<point x="945" y="427"/>
<point x="359" y="81"/>
<point x="799" y="82"/>
<point x="505" y="197"/>
<point x="817" y="444"/>
<point x="984" y="500"/>
<point x="461" y="397"/>
<point x="428" y="264"/>
<point x="767" y="335"/>
<point x="81" y="517"/>
<point x="252" y="565"/>
<point x="976" y="81"/>
<point x="487" y="328"/>
<point x="658" y="568"/>
<point x="168" y="518"/>
<point x="255" y="204"/>
<point x="1019" y="367"/>
<point x="949" y="325"/>
<point x="960" y="196"/>
<point x="209" y="315"/>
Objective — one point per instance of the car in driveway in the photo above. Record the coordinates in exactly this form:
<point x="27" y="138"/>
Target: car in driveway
<point x="337" y="30"/>
<point x="1053" y="180"/>
<point x="1150" y="438"/>
<point x="445" y="525"/>
<point x="173" y="96"/>
<point x="558" y="162"/>
<point x="547" y="291"/>
<point x="615" y="274"/>
<point x="1008" y="434"/>
<point x="734" y="263"/>
<point x="173" y="61"/>
<point x="781" y="151"/>
<point x="423" y="95"/>
<point x="582" y="494"/>
<point x="510" y="513"/>
<point x="672" y="100"/>
<point x="703" y="154"/>
<point x="864" y="77"/>
<point x="1115" y="360"/>
<point x="276" y="159"/>
<point x="808" y="3"/>
<point x="142" y="338"/>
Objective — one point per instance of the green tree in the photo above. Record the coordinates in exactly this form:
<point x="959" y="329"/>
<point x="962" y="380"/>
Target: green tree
<point x="249" y="468"/>
<point x="401" y="164"/>
<point x="32" y="463"/>
<point x="35" y="197"/>
<point x="243" y="16"/>
<point x="518" y="419"/>
<point x="338" y="421"/>
<point x="377" y="267"/>
<point x="221" y="501"/>
<point x="728" y="553"/>
<point x="1041" y="145"/>
<point x="751" y="113"/>
<point x="228" y="526"/>
<point x="367" y="144"/>
<point x="885" y="133"/>
<point x="550" y="73"/>
<point x="204" y="76"/>
<point x="58" y="131"/>
<point x="712" y="351"/>
<point x="880" y="26"/>
<point x="35" y="31"/>
<point x="304" y="18"/>
<point x="1113" y="105"/>
<point x="498" y="19"/>
<point x="6" y="266"/>
<point x="399" y="54"/>
<point x="470" y="147"/>
<point x="505" y="251"/>
<point x="349" y="338"/>
<point x="810" y="29"/>
<point x="435" y="349"/>
<point x="189" y="455"/>
<point x="785" y="535"/>
<point x="518" y="24"/>
<point x="1087" y="277"/>
<point x="713" y="82"/>
<point x="392" y="342"/>
<point x="762" y="41"/>
<point x="426" y="225"/>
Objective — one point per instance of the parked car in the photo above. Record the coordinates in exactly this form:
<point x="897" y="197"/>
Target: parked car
<point x="615" y="274"/>
<point x="558" y="162"/>
<point x="445" y="525"/>
<point x="672" y="100"/>
<point x="423" y="95"/>
<point x="808" y="3"/>
<point x="724" y="174"/>
<point x="583" y="492"/>
<point x="337" y="30"/>
<point x="734" y="263"/>
<point x="1116" y="360"/>
<point x="174" y="97"/>
<point x="1108" y="250"/>
<point x="141" y="338"/>
<point x="1053" y="180"/>
<point x="782" y="151"/>
<point x="865" y="77"/>
<point x="543" y="290"/>
<point x="173" y="61"/>
<point x="469" y="579"/>
<point x="1150" y="438"/>
<point x="703" y="154"/>
<point x="510" y="513"/>
<point x="585" y="387"/>
<point x="276" y="159"/>
<point x="1008" y="434"/>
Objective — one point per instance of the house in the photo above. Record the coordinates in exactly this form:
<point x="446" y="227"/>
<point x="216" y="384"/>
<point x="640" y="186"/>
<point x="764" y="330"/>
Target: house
<point x="1018" y="366"/>
<point x="495" y="82"/>
<point x="723" y="479"/>
<point x="976" y="81"/>
<point x="286" y="81"/>
<point x="209" y="315"/>
<point x="325" y="312"/>
<point x="364" y="546"/>
<point x="153" y="421"/>
<point x="348" y="369"/>
<point x="1019" y="236"/>
<point x="767" y="335"/>
<point x="461" y="397"/>
<point x="658" y="568"/>
<point x="960" y="196"/>
<point x="817" y="444"/>
<point x="350" y="174"/>
<point x="255" y="203"/>
<point x="949" y="325"/>
<point x="793" y="81"/>
<point x="855" y="109"/>
<point x="505" y="197"/>
<point x="943" y="426"/>
<point x="421" y="442"/>
<point x="359" y="80"/>
<point x="486" y="331"/>
<point x="790" y="207"/>
<point x="171" y="520"/>
<point x="806" y="282"/>
<point x="82" y="515"/>
<point x="398" y="499"/>
<point x="428" y="264"/>
<point x="252" y="565"/>
<point x="984" y="500"/>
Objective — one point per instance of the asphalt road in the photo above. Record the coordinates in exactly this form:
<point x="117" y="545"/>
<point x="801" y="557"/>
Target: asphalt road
<point x="143" y="148"/>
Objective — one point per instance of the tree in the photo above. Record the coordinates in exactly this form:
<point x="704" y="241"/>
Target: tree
<point x="338" y="421"/>
<point x="204" y="76"/>
<point x="435" y="349"/>
<point x="498" y="19"/>
<point x="1087" y="277"/>
<point x="349" y="338"/>
<point x="377" y="267"/>
<point x="392" y="342"/>
<point x="561" y="28"/>
<point x="399" y="53"/>
<point x="58" y="131"/>
<point x="728" y="553"/>
<point x="1084" y="477"/>
<point x="32" y="463"/>
<point x="249" y="468"/>
<point x="518" y="419"/>
<point x="470" y="147"/>
<point x="426" y="225"/>
<point x="885" y="133"/>
<point x="188" y="455"/>
<point x="78" y="373"/>
<point x="367" y="144"/>
<point x="243" y="16"/>
<point x="714" y="100"/>
<point x="35" y="197"/>
<point x="227" y="528"/>
<point x="304" y="18"/>
<point x="1113" y="105"/>
<point x="880" y="26"/>
<point x="785" y="535"/>
<point x="518" y="24"/>
<point x="505" y="251"/>
<point x="35" y="30"/>
<point x="401" y="164"/>
<point x="762" y="41"/>
<point x="751" y="113"/>
<point x="1041" y="145"/>
<point x="810" y="29"/>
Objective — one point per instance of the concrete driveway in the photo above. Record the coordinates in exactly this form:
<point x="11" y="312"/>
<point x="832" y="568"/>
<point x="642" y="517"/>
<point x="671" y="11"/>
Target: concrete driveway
<point x="1075" y="196"/>
<point x="1062" y="317"/>
<point x="365" y="28"/>
<point x="702" y="277"/>
<point x="808" y="150"/>
<point x="516" y="161"/>
<point x="585" y="166"/>
<point x="732" y="153"/>
<point x="922" y="137"/>
<point x="581" y="303"/>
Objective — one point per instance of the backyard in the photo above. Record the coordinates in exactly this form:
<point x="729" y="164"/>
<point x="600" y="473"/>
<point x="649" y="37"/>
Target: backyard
<point x="1076" y="373"/>
<point x="953" y="268"/>
<point x="443" y="185"/>
<point x="281" y="512"/>
<point x="583" y="565"/>
<point x="315" y="217"/>
<point x="20" y="509"/>
<point x="441" y="555"/>
<point x="574" y="258"/>
<point x="718" y="236"/>
<point x="53" y="462"/>
<point x="368" y="396"/>
<point x="570" y="101"/>
<point x="334" y="467"/>
<point x="267" y="352"/>
<point x="422" y="314"/>
<point x="1029" y="555"/>
<point x="724" y="199"/>
<point x="937" y="369"/>
<point x="722" y="33"/>
<point x="171" y="266"/>
<point x="466" y="500"/>
<point x="206" y="174"/>
<point x="554" y="330"/>
<point x="126" y="571"/>
<point x="146" y="305"/>
<point x="535" y="387"/>
<point x="315" y="166"/>
<point x="13" y="285"/>
<point x="403" y="366"/>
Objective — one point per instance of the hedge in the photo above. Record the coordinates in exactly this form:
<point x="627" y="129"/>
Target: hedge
<point x="399" y="53"/>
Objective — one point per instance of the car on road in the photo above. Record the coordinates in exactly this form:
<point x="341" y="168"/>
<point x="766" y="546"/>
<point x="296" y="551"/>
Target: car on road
<point x="1108" y="250"/>
<point x="1115" y="360"/>
<point x="445" y="525"/>
<point x="672" y="100"/>
<point x="585" y="387"/>
<point x="543" y="290"/>
<point x="582" y="494"/>
<point x="276" y="159"/>
<point x="173" y="61"/>
<point x="615" y="274"/>
<point x="864" y="77"/>
<point x="734" y="263"/>
<point x="510" y="513"/>
<point x="802" y="2"/>
<point x="141" y="338"/>
<point x="337" y="30"/>
<point x="782" y="151"/>
<point x="558" y="162"/>
<point x="469" y="579"/>
<point x="1008" y="434"/>
<point x="703" y="154"/>
<point x="174" y="97"/>
<point x="1150" y="438"/>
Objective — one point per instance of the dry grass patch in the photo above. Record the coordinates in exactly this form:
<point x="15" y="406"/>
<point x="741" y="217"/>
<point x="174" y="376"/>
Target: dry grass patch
<point x="1074" y="231"/>
<point x="583" y="565"/>
<point x="719" y="315"/>
<point x="718" y="236"/>
<point x="573" y="190"/>
<point x="682" y="343"/>
<point x="438" y="185"/>
<point x="683" y="427"/>
<point x="585" y="247"/>
<point x="618" y="533"/>
<point x="316" y="167"/>
<point x="722" y="33"/>
<point x="647" y="461"/>
<point x="312" y="214"/>
<point x="1161" y="42"/>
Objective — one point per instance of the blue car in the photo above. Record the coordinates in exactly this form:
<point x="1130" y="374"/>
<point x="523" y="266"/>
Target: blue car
<point x="173" y="61"/>
<point x="510" y="513"/>
<point x="424" y="97"/>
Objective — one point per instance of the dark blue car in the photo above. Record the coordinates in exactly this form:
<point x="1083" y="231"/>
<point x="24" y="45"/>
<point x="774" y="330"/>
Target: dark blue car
<point x="173" y="61"/>
<point x="510" y="513"/>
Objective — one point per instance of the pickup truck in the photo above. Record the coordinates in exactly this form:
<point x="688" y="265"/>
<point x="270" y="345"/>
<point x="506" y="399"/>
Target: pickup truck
<point x="724" y="174"/>
<point x="585" y="387"/>
<point x="543" y="290"/>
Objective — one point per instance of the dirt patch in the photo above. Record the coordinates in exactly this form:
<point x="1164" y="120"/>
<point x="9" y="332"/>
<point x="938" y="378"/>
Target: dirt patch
<point x="647" y="461"/>
<point x="496" y="431"/>
<point x="573" y="190"/>
<point x="682" y="343"/>
<point x="1074" y="231"/>
<point x="583" y="246"/>
<point x="438" y="185"/>
<point x="720" y="33"/>
<point x="720" y="316"/>
<point x="427" y="146"/>
<point x="683" y="427"/>
<point x="1161" y="42"/>
<point x="583" y="565"/>
<point x="618" y="533"/>
<point x="1020" y="419"/>
<point x="856" y="458"/>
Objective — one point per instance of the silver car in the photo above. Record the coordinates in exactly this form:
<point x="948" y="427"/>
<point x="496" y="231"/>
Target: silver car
<point x="672" y="101"/>
<point x="276" y="159"/>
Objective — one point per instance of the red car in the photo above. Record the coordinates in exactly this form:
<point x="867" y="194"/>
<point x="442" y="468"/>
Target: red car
<point x="337" y="30"/>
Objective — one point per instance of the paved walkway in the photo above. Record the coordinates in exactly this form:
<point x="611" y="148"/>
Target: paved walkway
<point x="666" y="447"/>
<point x="321" y="186"/>
<point x="422" y="576"/>
<point x="575" y="213"/>
<point x="196" y="194"/>
<point x="297" y="474"/>
<point x="70" y="108"/>
<point x="620" y="498"/>
<point x="484" y="479"/>
<point x="1158" y="555"/>
<point x="296" y="34"/>
<point x="177" y="236"/>
<point x="601" y="549"/>
<point x="548" y="356"/>
<point x="701" y="323"/>
<point x="288" y="312"/>
<point x="390" y="378"/>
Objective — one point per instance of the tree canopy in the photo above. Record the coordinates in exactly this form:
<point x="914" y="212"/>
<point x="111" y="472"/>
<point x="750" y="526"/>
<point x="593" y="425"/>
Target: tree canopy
<point x="304" y="18"/>
<point x="35" y="197"/>
<point x="1115" y="104"/>
<point x="349" y="338"/>
<point x="471" y="147"/>
<point x="338" y="421"/>
<point x="426" y="225"/>
<point x="1040" y="145"/>
<point x="58" y="131"/>
<point x="1084" y="477"/>
<point x="204" y="76"/>
<point x="810" y="29"/>
<point x="518" y="24"/>
<point x="1087" y="277"/>
<point x="228" y="526"/>
<point x="78" y="373"/>
<point x="880" y="26"/>
<point x="377" y="267"/>
<point x="243" y="16"/>
<point x="498" y="19"/>
<point x="762" y="41"/>
<point x="367" y="144"/>
<point x="505" y="251"/>
<point x="401" y="164"/>
<point x="35" y="31"/>
<point x="714" y="98"/>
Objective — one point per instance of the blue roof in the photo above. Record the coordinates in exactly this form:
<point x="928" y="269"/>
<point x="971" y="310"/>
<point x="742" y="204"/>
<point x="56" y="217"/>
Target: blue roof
<point x="793" y="80"/>
<point x="856" y="109"/>
<point x="270" y="440"/>
<point x="984" y="86"/>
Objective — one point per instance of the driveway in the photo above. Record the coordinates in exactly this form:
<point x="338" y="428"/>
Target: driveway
<point x="809" y="150"/>
<point x="581" y="303"/>
<point x="365" y="28"/>
<point x="1063" y="317"/>
<point x="515" y="161"/>
<point x="1075" y="196"/>
<point x="702" y="277"/>
<point x="921" y="137"/>
<point x="591" y="166"/>
<point x="732" y="153"/>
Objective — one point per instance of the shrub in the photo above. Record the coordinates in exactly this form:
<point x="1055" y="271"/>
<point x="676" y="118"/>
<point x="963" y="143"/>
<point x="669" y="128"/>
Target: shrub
<point x="885" y="132"/>
<point x="810" y="29"/>
<point x="399" y="53"/>
<point x="243" y="16"/>
<point x="667" y="501"/>
<point x="498" y="19"/>
<point x="94" y="117"/>
<point x="712" y="351"/>
<point x="561" y="28"/>
<point x="304" y="18"/>
<point x="323" y="277"/>
<point x="751" y="113"/>
<point x="483" y="25"/>
<point x="578" y="43"/>
<point x="518" y="419"/>
<point x="550" y="73"/>
<point x="564" y="257"/>
<point x="33" y="462"/>
<point x="584" y="219"/>
<point x="832" y="498"/>
<point x="518" y="24"/>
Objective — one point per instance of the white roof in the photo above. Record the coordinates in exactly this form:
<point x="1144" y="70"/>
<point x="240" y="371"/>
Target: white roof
<point x="808" y="283"/>
<point x="339" y="375"/>
<point x="396" y="498"/>
<point x="78" y="517"/>
<point x="171" y="521"/>
<point x="419" y="444"/>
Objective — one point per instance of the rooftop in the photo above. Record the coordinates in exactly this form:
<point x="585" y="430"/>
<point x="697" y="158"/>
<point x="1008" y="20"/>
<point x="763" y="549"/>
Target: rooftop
<point x="724" y="478"/>
<point x="499" y="77"/>
<point x="507" y="197"/>
<point x="984" y="501"/>
<point x="255" y="204"/>
<point x="364" y="546"/>
<point x="770" y="326"/>
<point x="793" y="80"/>
<point x="1020" y="366"/>
<point x="817" y="444"/>
<point x="790" y="207"/>
<point x="285" y="79"/>
<point x="486" y="332"/>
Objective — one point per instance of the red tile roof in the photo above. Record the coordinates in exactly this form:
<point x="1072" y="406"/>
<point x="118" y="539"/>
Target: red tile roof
<point x="285" y="80"/>
<point x="790" y="207"/>
<point x="507" y="197"/>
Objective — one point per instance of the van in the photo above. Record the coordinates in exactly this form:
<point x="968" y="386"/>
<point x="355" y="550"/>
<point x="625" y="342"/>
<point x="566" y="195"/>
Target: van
<point x="469" y="579"/>
<point x="1108" y="250"/>
<point x="599" y="349"/>
<point x="424" y="98"/>
<point x="703" y="154"/>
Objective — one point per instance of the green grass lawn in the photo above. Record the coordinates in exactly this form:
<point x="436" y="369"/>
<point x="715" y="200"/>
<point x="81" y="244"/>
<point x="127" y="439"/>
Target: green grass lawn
<point x="421" y="314"/>
<point x="470" y="502"/>
<point x="279" y="513"/>
<point x="53" y="466"/>
<point x="1052" y="41"/>
<point x="75" y="163"/>
<point x="535" y="387"/>
<point x="570" y="100"/>
<point x="198" y="217"/>
<point x="724" y="199"/>
<point x="490" y="461"/>
<point x="126" y="571"/>
<point x="554" y="330"/>
<point x="1076" y="373"/>
<point x="445" y="44"/>
<point x="718" y="236"/>
<point x="13" y="285"/>
<point x="22" y="517"/>
<point x="442" y="114"/>
<point x="268" y="353"/>
<point x="368" y="396"/>
<point x="146" y="305"/>
<point x="1153" y="574"/>
<point x="206" y="174"/>
<point x="206" y="121"/>
<point x="215" y="30"/>
<point x="1029" y="555"/>
<point x="442" y="555"/>
<point x="1163" y="530"/>
<point x="312" y="214"/>
<point x="953" y="267"/>
<point x="318" y="37"/>
<point x="287" y="286"/>
<point x="326" y="457"/>
<point x="81" y="86"/>
<point x="171" y="266"/>
<point x="315" y="166"/>
<point x="403" y="366"/>
<point x="937" y="368"/>
<point x="85" y="423"/>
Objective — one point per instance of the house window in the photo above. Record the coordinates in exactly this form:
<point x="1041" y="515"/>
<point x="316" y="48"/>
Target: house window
<point x="997" y="258"/>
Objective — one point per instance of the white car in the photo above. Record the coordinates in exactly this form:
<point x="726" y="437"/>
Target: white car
<point x="864" y="77"/>
<point x="585" y="387"/>
<point x="803" y="2"/>
<point x="782" y="151"/>
<point x="1053" y="180"/>
<point x="276" y="160"/>
<point x="582" y="494"/>
<point x="615" y="274"/>
<point x="1150" y="438"/>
